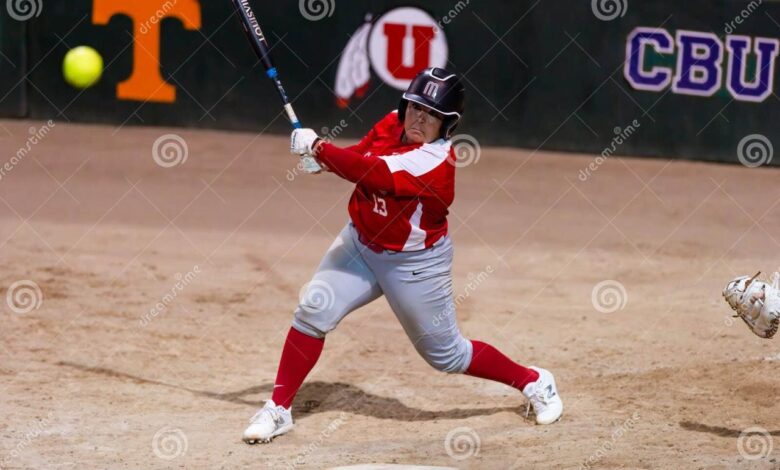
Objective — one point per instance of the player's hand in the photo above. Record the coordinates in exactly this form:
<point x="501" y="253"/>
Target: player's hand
<point x="302" y="141"/>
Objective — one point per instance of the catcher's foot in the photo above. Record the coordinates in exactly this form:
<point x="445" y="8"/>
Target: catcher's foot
<point x="543" y="396"/>
<point x="270" y="421"/>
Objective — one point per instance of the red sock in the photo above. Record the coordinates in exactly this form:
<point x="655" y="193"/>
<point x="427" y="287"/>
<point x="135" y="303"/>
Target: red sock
<point x="299" y="355"/>
<point x="488" y="362"/>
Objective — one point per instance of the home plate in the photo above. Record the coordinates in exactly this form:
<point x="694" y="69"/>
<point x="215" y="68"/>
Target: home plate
<point x="390" y="466"/>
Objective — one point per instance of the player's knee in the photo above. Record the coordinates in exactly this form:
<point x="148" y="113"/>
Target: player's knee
<point x="453" y="358"/>
<point x="313" y="323"/>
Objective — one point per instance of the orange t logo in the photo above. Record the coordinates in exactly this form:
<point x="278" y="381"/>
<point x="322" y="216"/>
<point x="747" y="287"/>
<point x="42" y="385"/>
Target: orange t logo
<point x="145" y="82"/>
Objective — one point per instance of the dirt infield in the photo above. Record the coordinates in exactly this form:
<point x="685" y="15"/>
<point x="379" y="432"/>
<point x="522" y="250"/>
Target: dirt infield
<point x="165" y="294"/>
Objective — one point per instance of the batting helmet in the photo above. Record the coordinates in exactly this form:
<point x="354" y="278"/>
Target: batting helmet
<point x="439" y="90"/>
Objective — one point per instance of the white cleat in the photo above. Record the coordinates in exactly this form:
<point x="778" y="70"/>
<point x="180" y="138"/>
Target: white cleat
<point x="270" y="421"/>
<point x="543" y="396"/>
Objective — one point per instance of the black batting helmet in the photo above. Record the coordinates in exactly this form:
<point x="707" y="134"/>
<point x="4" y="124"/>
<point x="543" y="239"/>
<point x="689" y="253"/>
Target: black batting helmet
<point x="439" y="90"/>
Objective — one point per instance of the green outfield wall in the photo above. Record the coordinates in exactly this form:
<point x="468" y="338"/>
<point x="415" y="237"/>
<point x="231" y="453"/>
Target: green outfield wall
<point x="691" y="80"/>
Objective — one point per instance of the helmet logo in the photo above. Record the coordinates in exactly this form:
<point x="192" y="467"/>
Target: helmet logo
<point x="431" y="88"/>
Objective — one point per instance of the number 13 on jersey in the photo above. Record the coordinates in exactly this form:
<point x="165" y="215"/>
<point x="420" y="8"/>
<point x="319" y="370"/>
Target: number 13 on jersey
<point x="380" y="206"/>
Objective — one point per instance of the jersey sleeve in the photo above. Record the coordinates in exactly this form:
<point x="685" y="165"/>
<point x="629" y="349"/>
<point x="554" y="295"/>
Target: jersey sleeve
<point x="411" y="171"/>
<point x="369" y="171"/>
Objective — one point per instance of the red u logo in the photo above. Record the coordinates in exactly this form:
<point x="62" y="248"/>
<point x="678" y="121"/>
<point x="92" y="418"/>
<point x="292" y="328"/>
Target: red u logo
<point x="422" y="35"/>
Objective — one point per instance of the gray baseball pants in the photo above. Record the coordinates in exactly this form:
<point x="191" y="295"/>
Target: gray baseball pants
<point x="417" y="285"/>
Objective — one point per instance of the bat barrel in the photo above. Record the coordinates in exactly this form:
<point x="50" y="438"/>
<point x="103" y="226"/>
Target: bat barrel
<point x="253" y="32"/>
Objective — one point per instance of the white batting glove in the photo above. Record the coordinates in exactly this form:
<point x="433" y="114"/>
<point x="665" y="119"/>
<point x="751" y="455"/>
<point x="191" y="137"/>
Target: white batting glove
<point x="302" y="140"/>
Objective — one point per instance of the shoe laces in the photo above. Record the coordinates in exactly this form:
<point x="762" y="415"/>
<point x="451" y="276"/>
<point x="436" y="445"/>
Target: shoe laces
<point x="538" y="399"/>
<point x="273" y="413"/>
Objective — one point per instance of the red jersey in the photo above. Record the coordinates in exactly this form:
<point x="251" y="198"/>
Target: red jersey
<point x="403" y="191"/>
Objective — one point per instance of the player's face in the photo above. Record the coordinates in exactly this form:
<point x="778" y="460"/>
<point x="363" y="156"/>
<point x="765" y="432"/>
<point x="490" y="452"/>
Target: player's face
<point x="422" y="125"/>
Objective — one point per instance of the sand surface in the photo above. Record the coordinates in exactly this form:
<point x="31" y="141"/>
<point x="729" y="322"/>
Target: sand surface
<point x="165" y="295"/>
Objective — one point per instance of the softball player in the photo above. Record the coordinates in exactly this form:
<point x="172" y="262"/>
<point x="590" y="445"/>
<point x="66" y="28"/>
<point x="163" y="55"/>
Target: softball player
<point x="396" y="244"/>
